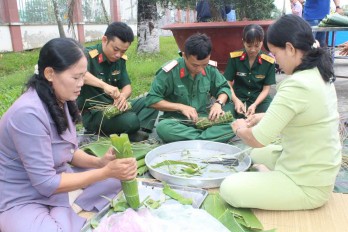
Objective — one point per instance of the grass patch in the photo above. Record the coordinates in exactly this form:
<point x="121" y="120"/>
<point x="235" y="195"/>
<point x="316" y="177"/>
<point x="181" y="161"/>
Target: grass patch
<point x="17" y="67"/>
<point x="18" y="61"/>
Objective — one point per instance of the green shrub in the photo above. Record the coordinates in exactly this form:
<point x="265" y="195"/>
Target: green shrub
<point x="16" y="67"/>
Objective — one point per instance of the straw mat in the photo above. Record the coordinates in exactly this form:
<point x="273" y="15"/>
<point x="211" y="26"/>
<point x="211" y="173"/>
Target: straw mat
<point x="332" y="217"/>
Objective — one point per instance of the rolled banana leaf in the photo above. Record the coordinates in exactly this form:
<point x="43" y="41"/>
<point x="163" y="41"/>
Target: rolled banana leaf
<point x="203" y="122"/>
<point x="124" y="150"/>
<point x="112" y="111"/>
<point x="334" y="20"/>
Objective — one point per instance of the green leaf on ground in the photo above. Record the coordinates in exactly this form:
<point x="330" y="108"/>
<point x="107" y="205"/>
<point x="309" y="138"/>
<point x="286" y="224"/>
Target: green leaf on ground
<point x="235" y="219"/>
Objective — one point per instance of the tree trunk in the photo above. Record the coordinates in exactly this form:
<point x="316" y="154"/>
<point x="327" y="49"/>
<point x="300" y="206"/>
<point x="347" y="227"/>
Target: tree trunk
<point x="131" y="9"/>
<point x="148" y="38"/>
<point x="71" y="26"/>
<point x="215" y="10"/>
<point x="58" y="18"/>
<point x="104" y="11"/>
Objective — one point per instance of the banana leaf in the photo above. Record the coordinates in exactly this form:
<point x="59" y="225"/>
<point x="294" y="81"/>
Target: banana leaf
<point x="129" y="187"/>
<point x="97" y="148"/>
<point x="142" y="170"/>
<point x="335" y="20"/>
<point x="234" y="219"/>
<point x="100" y="147"/>
<point x="141" y="163"/>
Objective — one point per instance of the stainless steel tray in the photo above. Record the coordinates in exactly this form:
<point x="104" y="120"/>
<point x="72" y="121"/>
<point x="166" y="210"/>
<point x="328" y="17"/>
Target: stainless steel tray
<point x="199" y="150"/>
<point x="154" y="190"/>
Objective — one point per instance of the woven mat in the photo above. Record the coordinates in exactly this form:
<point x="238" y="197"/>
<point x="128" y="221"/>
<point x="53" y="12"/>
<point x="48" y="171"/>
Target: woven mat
<point x="332" y="217"/>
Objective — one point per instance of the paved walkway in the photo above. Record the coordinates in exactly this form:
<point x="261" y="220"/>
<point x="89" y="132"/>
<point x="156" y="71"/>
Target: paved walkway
<point x="341" y="84"/>
<point x="341" y="71"/>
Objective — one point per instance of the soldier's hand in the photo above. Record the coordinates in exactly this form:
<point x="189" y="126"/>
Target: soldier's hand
<point x="251" y="110"/>
<point x="112" y="91"/>
<point x="121" y="102"/>
<point x="215" y="112"/>
<point x="240" y="107"/>
<point x="189" y="112"/>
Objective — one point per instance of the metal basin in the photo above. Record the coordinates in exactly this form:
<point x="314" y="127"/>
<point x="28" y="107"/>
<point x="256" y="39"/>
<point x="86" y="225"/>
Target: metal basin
<point x="196" y="151"/>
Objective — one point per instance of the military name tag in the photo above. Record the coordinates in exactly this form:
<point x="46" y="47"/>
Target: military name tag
<point x="241" y="74"/>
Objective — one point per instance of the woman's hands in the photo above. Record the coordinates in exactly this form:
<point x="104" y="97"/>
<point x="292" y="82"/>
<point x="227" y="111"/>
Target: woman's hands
<point x="343" y="48"/>
<point x="122" y="169"/>
<point x="238" y="124"/>
<point x="251" y="121"/>
<point x="254" y="119"/>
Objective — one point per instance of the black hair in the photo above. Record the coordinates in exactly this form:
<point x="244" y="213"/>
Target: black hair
<point x="59" y="54"/>
<point x="293" y="29"/>
<point x="119" y="30"/>
<point x="198" y="45"/>
<point x="253" y="33"/>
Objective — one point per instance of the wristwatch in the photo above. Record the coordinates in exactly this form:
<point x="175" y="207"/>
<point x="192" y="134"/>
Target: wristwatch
<point x="218" y="101"/>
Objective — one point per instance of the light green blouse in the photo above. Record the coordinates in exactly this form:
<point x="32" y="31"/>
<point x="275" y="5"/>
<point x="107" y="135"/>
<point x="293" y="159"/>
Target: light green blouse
<point x="304" y="112"/>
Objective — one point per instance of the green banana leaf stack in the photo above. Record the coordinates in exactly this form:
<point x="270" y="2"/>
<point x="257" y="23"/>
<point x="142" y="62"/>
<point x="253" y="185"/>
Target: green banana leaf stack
<point x="334" y="20"/>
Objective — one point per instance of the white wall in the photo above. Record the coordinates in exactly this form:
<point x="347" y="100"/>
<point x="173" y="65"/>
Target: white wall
<point x="94" y="32"/>
<point x="5" y="38"/>
<point x="35" y="36"/>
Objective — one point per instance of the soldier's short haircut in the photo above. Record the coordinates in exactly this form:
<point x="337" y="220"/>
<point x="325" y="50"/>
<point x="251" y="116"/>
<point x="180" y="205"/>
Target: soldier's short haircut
<point x="198" y="45"/>
<point x="121" y="31"/>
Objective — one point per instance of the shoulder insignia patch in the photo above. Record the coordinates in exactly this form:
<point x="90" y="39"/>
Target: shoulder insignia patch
<point x="268" y="58"/>
<point x="170" y="65"/>
<point x="93" y="53"/>
<point x="125" y="57"/>
<point x="236" y="54"/>
<point x="213" y="63"/>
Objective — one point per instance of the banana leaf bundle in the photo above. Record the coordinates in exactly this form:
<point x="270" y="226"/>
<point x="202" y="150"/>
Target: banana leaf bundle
<point x="109" y="110"/>
<point x="124" y="150"/>
<point x="334" y="20"/>
<point x="112" y="111"/>
<point x="203" y="122"/>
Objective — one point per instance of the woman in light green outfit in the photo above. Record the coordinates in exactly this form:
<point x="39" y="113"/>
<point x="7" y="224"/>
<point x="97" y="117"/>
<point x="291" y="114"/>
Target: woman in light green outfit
<point x="302" y="170"/>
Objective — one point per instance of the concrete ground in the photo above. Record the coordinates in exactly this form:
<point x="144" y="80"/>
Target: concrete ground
<point x="341" y="84"/>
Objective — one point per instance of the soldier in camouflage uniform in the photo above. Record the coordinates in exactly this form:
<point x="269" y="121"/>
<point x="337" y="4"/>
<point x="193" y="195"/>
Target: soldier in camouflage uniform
<point x="183" y="89"/>
<point x="107" y="81"/>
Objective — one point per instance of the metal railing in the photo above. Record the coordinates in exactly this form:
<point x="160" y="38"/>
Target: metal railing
<point x="42" y="11"/>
